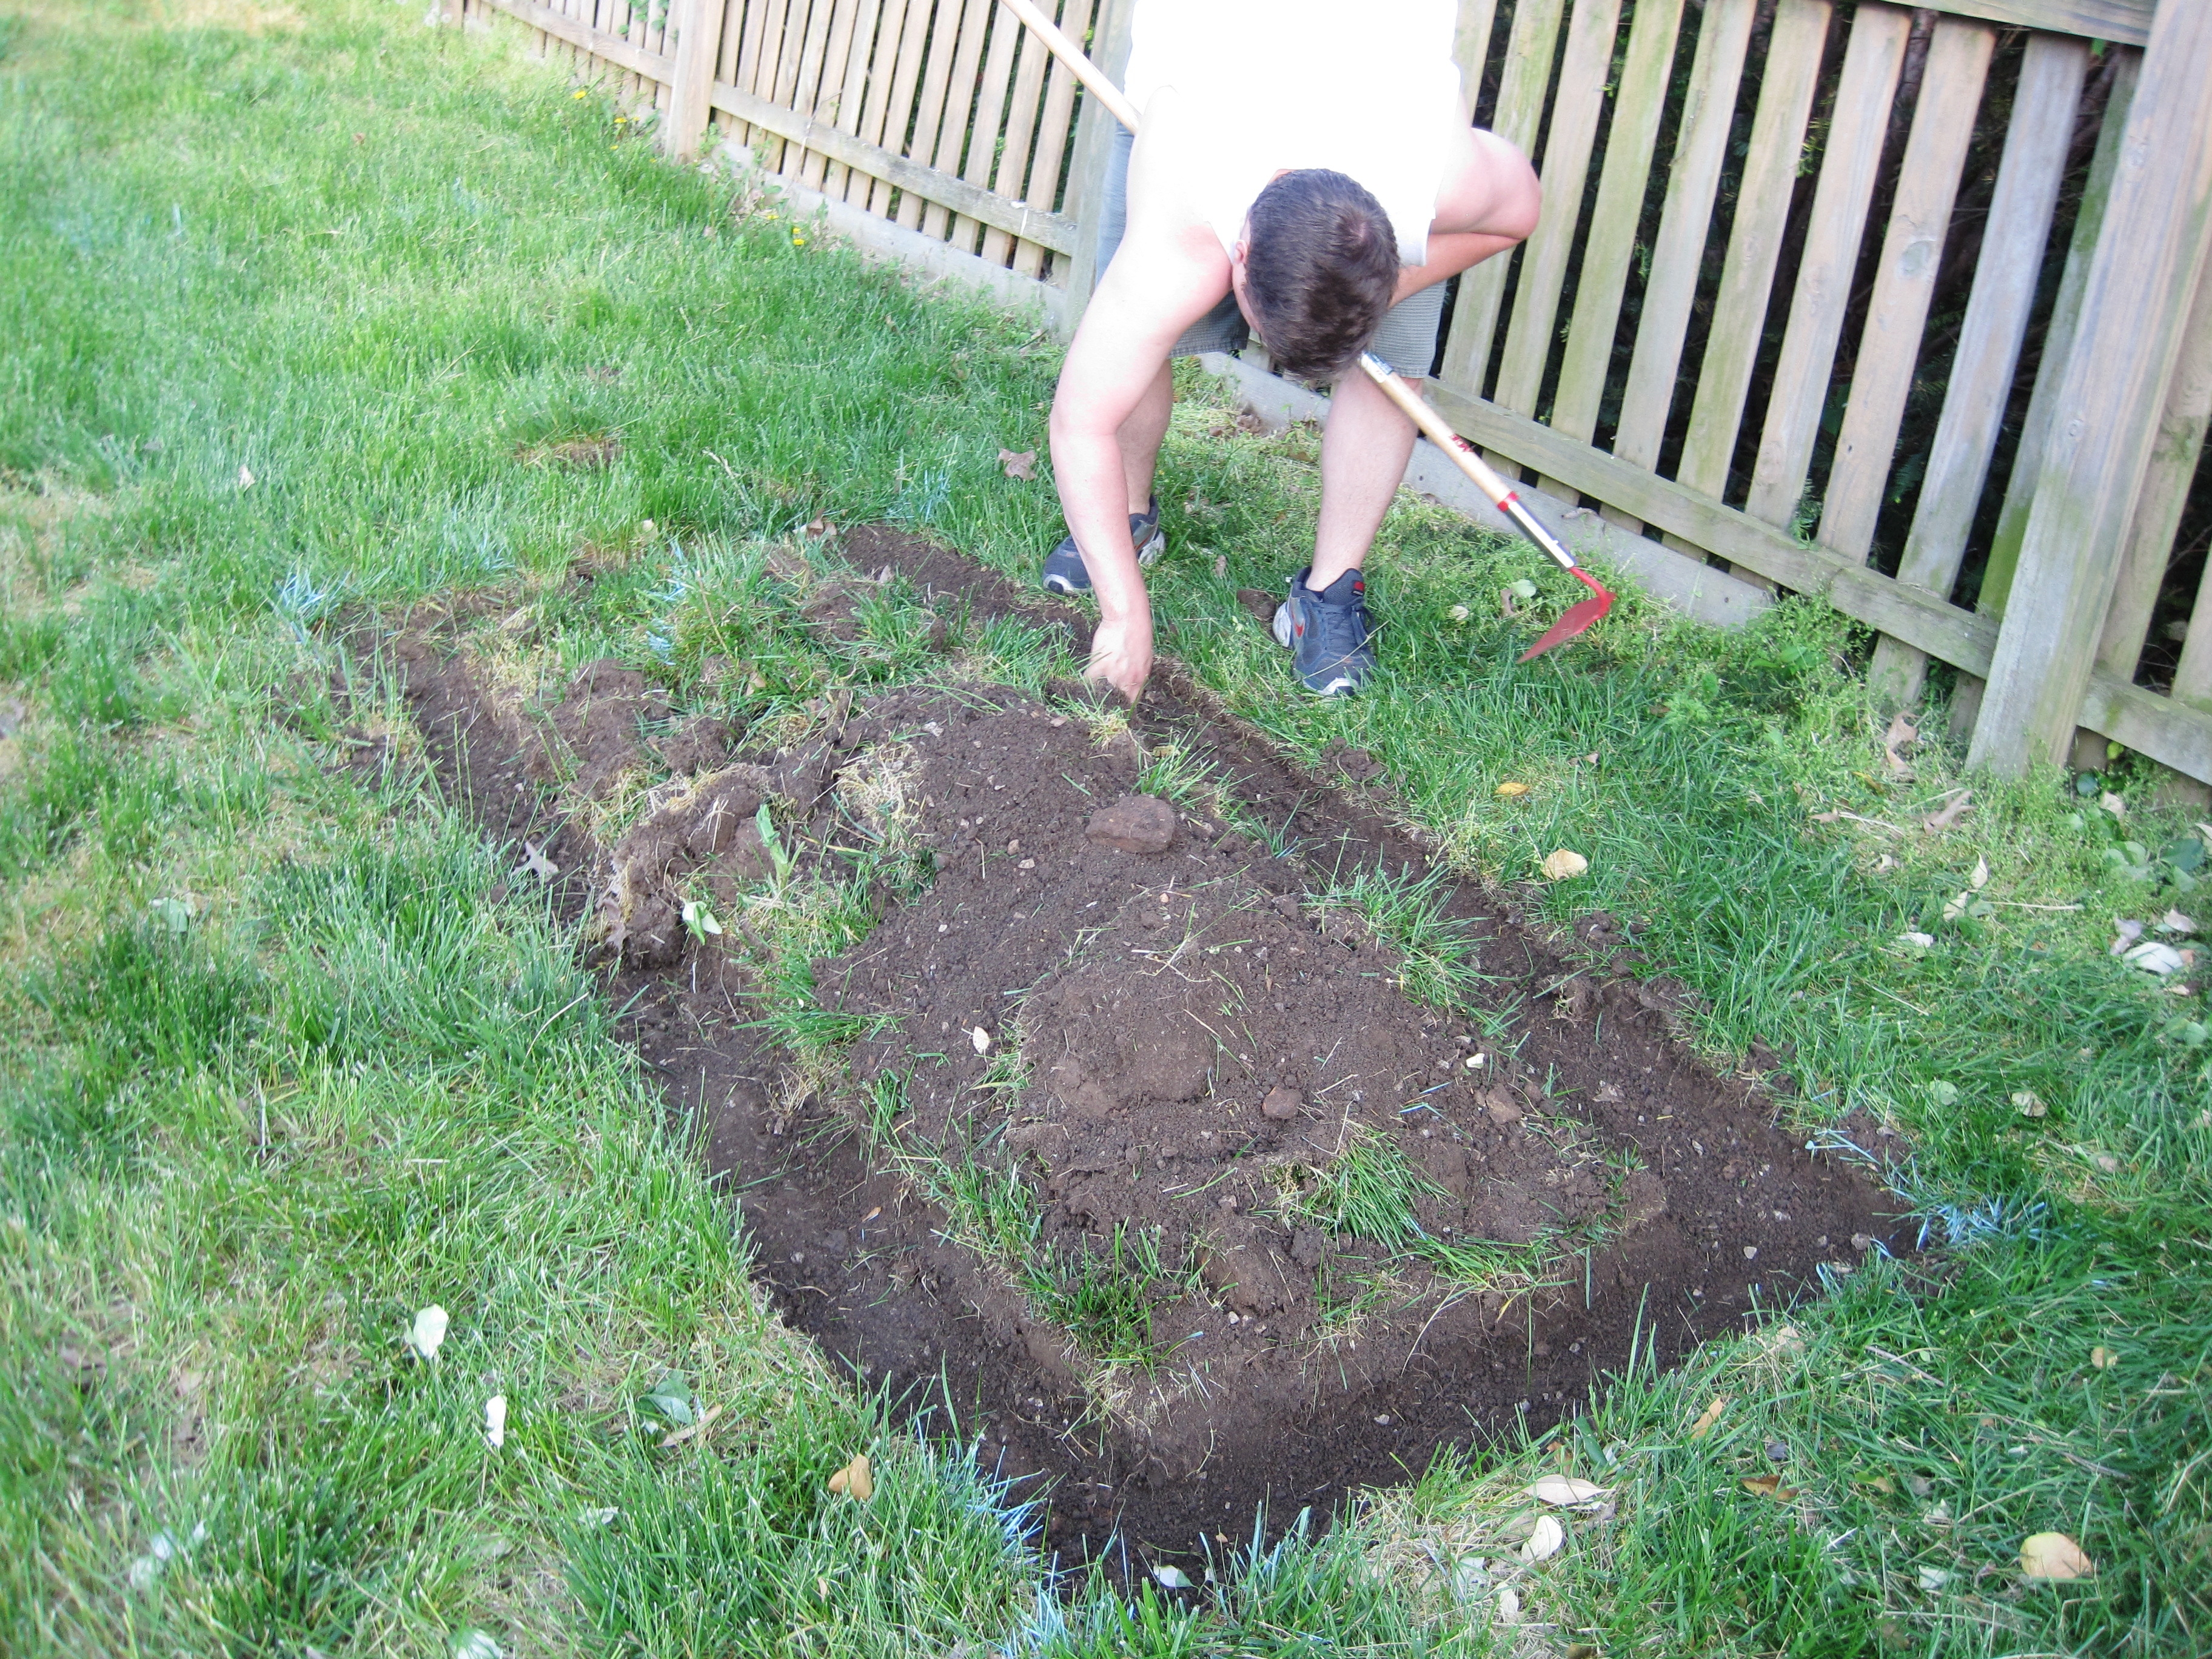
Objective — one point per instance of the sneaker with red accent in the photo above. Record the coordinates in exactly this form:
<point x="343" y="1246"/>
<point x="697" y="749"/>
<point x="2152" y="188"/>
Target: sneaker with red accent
<point x="1328" y="634"/>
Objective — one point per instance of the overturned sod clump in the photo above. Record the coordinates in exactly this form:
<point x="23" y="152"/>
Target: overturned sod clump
<point x="1057" y="1083"/>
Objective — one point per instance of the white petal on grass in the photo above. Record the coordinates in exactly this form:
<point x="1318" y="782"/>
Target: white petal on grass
<point x="1564" y="864"/>
<point x="245" y="476"/>
<point x="604" y="1517"/>
<point x="2153" y="958"/>
<point x="1545" y="1542"/>
<point x="1980" y="878"/>
<point x="476" y="1644"/>
<point x="496" y="1420"/>
<point x="1171" y="1577"/>
<point x="981" y="1039"/>
<point x="1919" y="941"/>
<point x="1509" y="1605"/>
<point x="1564" y="1489"/>
<point x="428" y="1333"/>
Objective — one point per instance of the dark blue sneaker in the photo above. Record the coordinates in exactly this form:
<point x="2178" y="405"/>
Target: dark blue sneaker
<point x="1328" y="634"/>
<point x="1063" y="566"/>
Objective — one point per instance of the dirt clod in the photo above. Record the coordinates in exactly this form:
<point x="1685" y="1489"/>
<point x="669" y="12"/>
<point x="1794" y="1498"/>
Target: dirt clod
<point x="1282" y="1104"/>
<point x="1135" y="823"/>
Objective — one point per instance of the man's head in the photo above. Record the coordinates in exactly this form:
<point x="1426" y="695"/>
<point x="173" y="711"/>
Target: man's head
<point x="1319" y="269"/>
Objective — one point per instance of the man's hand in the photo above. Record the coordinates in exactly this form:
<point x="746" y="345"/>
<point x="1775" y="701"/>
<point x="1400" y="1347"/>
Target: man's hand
<point x="1122" y="653"/>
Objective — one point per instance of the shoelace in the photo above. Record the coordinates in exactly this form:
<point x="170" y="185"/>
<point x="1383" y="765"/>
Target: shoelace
<point x="1343" y="629"/>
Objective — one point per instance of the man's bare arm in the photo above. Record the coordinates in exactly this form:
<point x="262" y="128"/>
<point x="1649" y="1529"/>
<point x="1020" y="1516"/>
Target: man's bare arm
<point x="1489" y="202"/>
<point x="1164" y="277"/>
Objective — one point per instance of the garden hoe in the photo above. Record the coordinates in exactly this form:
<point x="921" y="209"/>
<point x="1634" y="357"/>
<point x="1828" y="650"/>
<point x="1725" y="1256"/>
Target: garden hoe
<point x="1580" y="615"/>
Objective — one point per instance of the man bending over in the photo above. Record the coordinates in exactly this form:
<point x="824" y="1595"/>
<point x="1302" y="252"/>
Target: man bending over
<point x="1305" y="174"/>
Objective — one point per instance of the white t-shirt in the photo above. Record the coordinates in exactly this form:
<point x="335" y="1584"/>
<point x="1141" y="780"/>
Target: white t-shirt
<point x="1368" y="90"/>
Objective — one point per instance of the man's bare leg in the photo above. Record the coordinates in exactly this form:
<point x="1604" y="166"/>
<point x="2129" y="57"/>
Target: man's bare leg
<point x="1363" y="451"/>
<point x="1141" y="434"/>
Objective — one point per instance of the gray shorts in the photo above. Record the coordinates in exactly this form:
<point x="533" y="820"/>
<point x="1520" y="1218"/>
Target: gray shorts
<point x="1406" y="340"/>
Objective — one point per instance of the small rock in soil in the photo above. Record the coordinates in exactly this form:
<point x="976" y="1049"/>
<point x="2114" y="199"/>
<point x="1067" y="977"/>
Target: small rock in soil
<point x="1135" y="823"/>
<point x="1281" y="1105"/>
<point x="1500" y="1106"/>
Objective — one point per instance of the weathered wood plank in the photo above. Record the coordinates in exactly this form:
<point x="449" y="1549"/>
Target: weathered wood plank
<point x="1030" y="62"/>
<point x="1094" y="132"/>
<point x="2058" y="340"/>
<point x="1042" y="180"/>
<point x="2053" y="71"/>
<point x="1762" y="212"/>
<point x="890" y="32"/>
<point x="828" y="99"/>
<point x="1471" y="34"/>
<point x="853" y="94"/>
<point x="612" y="47"/>
<point x="923" y="182"/>
<point x="1528" y="53"/>
<point x="936" y="86"/>
<point x="1584" y="72"/>
<point x="959" y="105"/>
<point x="1603" y="276"/>
<point x="905" y="79"/>
<point x="2127" y="21"/>
<point x="2171" y="733"/>
<point x="1693" y="177"/>
<point x="992" y="90"/>
<point x="1947" y="631"/>
<point x="698" y="29"/>
<point x="1848" y="166"/>
<point x="2142" y="282"/>
<point x="2164" y="493"/>
<point x="1911" y="252"/>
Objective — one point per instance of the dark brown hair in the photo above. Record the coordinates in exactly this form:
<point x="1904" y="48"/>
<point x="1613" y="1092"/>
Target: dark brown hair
<point x="1321" y="268"/>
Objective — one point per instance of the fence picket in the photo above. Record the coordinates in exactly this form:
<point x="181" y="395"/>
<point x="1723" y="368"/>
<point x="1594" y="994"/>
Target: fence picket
<point x="1603" y="276"/>
<point x="1912" y="255"/>
<point x="2052" y="72"/>
<point x="1770" y="172"/>
<point x="1042" y="183"/>
<point x="1693" y="181"/>
<point x="936" y="85"/>
<point x="2164" y="495"/>
<point x="997" y="84"/>
<point x="890" y="34"/>
<point x="1581" y="99"/>
<point x="1029" y="63"/>
<point x="1529" y="49"/>
<point x="853" y="91"/>
<point x="2058" y="340"/>
<point x="1848" y="167"/>
<point x="960" y="102"/>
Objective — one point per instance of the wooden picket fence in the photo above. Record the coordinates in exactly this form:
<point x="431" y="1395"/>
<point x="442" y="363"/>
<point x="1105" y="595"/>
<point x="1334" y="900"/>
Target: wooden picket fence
<point x="1717" y="333"/>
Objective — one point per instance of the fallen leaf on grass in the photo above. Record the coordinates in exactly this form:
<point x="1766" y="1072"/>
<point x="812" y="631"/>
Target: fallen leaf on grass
<point x="537" y="863"/>
<point x="1770" y="1486"/>
<point x="1459" y="613"/>
<point x="1563" y="865"/>
<point x="1508" y="1604"/>
<point x="2175" y="923"/>
<point x="428" y="1332"/>
<point x="1706" y="1419"/>
<point x="1919" y="941"/>
<point x="981" y="1039"/>
<point x="2103" y="1357"/>
<point x="2054" y="1555"/>
<point x="2124" y="933"/>
<point x="496" y="1420"/>
<point x="1980" y="878"/>
<point x="812" y="528"/>
<point x="244" y="477"/>
<point x="1018" y="465"/>
<point x="1171" y="1577"/>
<point x="2029" y="1104"/>
<point x="2110" y="802"/>
<point x="1545" y="1540"/>
<point x="1901" y="732"/>
<point x="1512" y="791"/>
<point x="1961" y="806"/>
<point x="476" y="1644"/>
<point x="855" y="1479"/>
<point x="1564" y="1489"/>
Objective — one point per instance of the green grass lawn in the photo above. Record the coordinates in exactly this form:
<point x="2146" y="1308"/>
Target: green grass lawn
<point x="297" y="307"/>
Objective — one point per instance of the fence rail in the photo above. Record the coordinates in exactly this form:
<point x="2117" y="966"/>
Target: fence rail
<point x="1858" y="299"/>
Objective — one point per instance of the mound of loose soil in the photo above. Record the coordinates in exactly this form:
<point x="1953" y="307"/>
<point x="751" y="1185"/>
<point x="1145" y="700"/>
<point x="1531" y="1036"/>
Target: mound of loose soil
<point x="1176" y="1043"/>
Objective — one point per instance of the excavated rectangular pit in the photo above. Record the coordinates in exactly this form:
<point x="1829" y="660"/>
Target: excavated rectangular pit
<point x="1194" y="1076"/>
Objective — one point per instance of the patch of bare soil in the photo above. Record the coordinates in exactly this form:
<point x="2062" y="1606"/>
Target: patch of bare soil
<point x="1146" y="1018"/>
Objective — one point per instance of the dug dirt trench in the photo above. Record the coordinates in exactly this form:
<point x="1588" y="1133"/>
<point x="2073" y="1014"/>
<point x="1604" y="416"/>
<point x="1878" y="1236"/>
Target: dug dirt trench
<point x="1096" y="1169"/>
